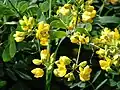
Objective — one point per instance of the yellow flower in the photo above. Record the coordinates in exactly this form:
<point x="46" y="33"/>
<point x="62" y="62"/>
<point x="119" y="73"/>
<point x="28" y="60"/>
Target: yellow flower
<point x="27" y="24"/>
<point x="19" y="39"/>
<point x="19" y="36"/>
<point x="116" y="34"/>
<point x="88" y="14"/>
<point x="74" y="39"/>
<point x="42" y="33"/>
<point x="100" y="52"/>
<point x="83" y="64"/>
<point x="85" y="73"/>
<point x="44" y="54"/>
<point x="64" y="60"/>
<point x="37" y="61"/>
<point x="38" y="72"/>
<point x="113" y="1"/>
<point x="60" y="71"/>
<point x="70" y="76"/>
<point x="44" y="41"/>
<point x="104" y="64"/>
<point x="64" y="11"/>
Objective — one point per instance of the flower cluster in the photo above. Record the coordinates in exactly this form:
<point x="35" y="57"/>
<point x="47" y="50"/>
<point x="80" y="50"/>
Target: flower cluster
<point x="78" y="38"/>
<point x="88" y="14"/>
<point x="43" y="33"/>
<point x="61" y="64"/>
<point x="38" y="71"/>
<point x="26" y="25"/>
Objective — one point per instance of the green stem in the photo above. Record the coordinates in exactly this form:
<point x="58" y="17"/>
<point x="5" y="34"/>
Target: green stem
<point x="92" y="85"/>
<point x="15" y="8"/>
<point x="78" y="53"/>
<point x="50" y="8"/>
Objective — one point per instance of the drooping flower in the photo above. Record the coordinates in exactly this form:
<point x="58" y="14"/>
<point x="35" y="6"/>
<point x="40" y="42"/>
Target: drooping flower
<point x="38" y="72"/>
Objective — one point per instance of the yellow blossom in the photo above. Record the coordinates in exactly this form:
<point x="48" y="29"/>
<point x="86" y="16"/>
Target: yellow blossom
<point x="70" y="76"/>
<point x="44" y="41"/>
<point x="38" y="72"/>
<point x="64" y="60"/>
<point x="44" y="54"/>
<point x="113" y="1"/>
<point x="85" y="73"/>
<point x="27" y="24"/>
<point x="104" y="64"/>
<point x="37" y="61"/>
<point x="60" y="71"/>
<point x="83" y="64"/>
<point x="19" y="36"/>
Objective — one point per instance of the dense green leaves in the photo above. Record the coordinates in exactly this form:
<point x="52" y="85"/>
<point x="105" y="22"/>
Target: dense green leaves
<point x="2" y="83"/>
<point x="44" y="6"/>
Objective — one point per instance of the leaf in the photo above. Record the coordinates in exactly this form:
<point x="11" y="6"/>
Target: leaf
<point x="22" y="6"/>
<point x="4" y="10"/>
<point x="107" y="19"/>
<point x="112" y="82"/>
<point x="5" y="55"/>
<point x="22" y="75"/>
<point x="44" y="6"/>
<point x="96" y="76"/>
<point x="11" y="74"/>
<point x="58" y="24"/>
<point x="2" y="83"/>
<point x="88" y="27"/>
<point x="81" y="30"/>
<point x="12" y="46"/>
<point x="118" y="84"/>
<point x="102" y="83"/>
<point x="57" y="34"/>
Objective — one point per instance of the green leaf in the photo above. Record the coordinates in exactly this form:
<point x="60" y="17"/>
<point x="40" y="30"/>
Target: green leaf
<point x="102" y="83"/>
<point x="58" y="24"/>
<point x="12" y="46"/>
<point x="22" y="6"/>
<point x="44" y="6"/>
<point x="82" y="85"/>
<point x="112" y="83"/>
<point x="107" y="19"/>
<point x="57" y="34"/>
<point x="2" y="83"/>
<point x="88" y="27"/>
<point x="4" y="10"/>
<point x="5" y="55"/>
<point x="118" y="84"/>
<point x="11" y="74"/>
<point x="96" y="76"/>
<point x="22" y="75"/>
<point x="81" y="30"/>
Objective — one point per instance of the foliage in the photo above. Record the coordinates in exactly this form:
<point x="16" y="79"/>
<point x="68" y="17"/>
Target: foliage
<point x="73" y="42"/>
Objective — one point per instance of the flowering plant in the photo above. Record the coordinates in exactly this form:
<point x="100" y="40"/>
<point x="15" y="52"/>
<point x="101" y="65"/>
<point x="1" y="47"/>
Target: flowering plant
<point x="36" y="42"/>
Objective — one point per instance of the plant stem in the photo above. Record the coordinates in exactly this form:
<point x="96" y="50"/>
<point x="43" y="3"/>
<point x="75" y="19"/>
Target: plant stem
<point x="78" y="53"/>
<point x="50" y="2"/>
<point x="14" y="8"/>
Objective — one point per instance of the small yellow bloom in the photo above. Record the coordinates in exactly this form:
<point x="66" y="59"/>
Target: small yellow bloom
<point x="113" y="1"/>
<point x="44" y="54"/>
<point x="116" y="34"/>
<point x="27" y="24"/>
<point x="37" y="61"/>
<point x="38" y="72"/>
<point x="44" y="41"/>
<point x="104" y="64"/>
<point x="70" y="76"/>
<point x="64" y="11"/>
<point x="64" y="60"/>
<point x="19" y="39"/>
<point x="83" y="64"/>
<point x="60" y="71"/>
<point x="19" y="34"/>
<point x="85" y="73"/>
